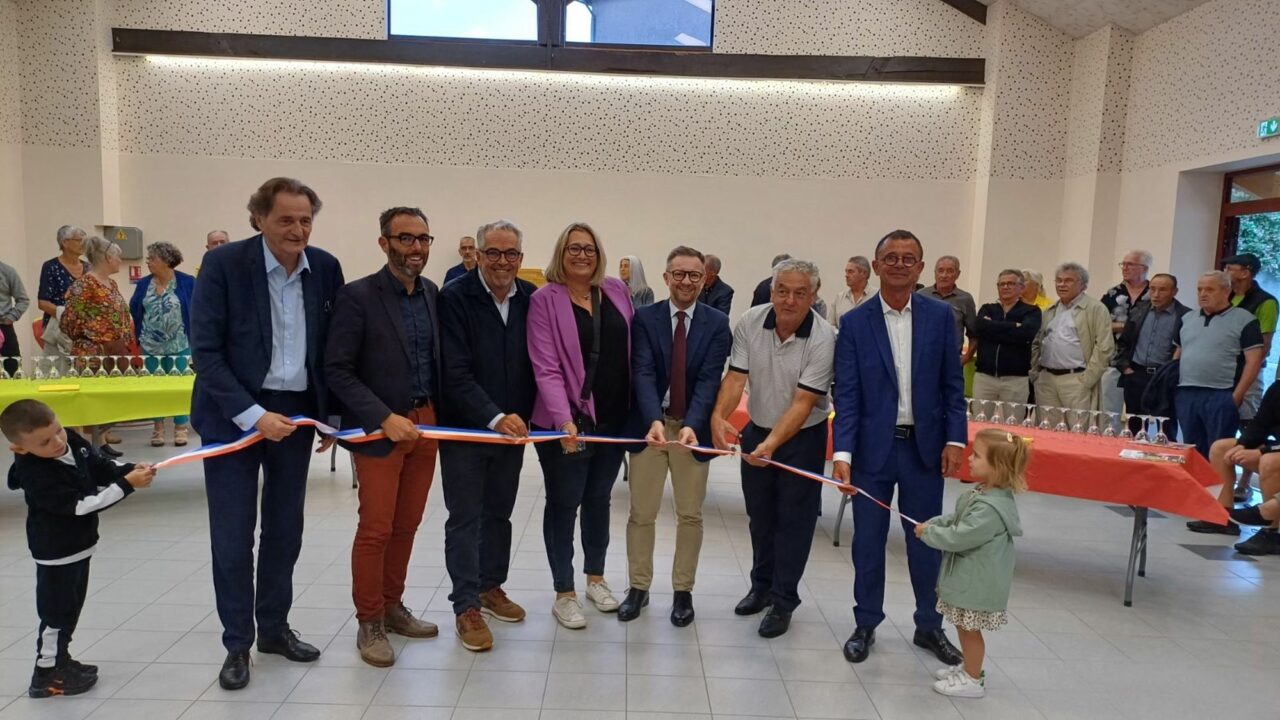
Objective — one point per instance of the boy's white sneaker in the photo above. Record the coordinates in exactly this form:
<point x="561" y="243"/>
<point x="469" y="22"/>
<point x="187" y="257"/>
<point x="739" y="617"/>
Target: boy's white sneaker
<point x="948" y="671"/>
<point x="568" y="612"/>
<point x="602" y="597"/>
<point x="960" y="684"/>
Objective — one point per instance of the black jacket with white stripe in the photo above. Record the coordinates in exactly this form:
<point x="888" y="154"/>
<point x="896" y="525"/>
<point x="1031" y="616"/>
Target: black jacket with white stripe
<point x="63" y="500"/>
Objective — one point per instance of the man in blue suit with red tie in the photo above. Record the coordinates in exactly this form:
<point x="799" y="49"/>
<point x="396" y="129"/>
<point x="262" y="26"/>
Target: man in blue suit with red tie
<point x="900" y="421"/>
<point x="259" y="323"/>
<point x="678" y="349"/>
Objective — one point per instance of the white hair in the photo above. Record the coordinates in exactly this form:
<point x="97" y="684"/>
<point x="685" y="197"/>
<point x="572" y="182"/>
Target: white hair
<point x="800" y="266"/>
<point x="1221" y="277"/>
<point x="495" y="226"/>
<point x="637" y="281"/>
<point x="1144" y="256"/>
<point x="1073" y="267"/>
<point x="66" y="232"/>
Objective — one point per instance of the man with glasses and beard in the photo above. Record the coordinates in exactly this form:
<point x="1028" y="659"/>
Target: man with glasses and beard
<point x="383" y="365"/>
<point x="678" y="349"/>
<point x="487" y="384"/>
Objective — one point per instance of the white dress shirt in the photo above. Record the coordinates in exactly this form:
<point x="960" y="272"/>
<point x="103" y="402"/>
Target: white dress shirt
<point x="288" y="368"/>
<point x="504" y="309"/>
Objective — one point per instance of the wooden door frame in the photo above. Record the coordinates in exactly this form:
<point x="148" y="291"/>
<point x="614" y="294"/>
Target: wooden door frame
<point x="1226" y="247"/>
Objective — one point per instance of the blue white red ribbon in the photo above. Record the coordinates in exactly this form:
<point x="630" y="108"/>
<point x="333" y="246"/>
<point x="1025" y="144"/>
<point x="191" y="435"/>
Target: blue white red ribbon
<point x="435" y="432"/>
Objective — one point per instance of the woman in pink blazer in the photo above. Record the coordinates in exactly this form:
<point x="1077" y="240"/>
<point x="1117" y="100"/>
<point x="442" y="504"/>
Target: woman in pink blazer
<point x="562" y="338"/>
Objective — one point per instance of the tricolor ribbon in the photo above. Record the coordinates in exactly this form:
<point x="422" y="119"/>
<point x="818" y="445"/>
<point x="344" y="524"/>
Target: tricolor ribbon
<point x="434" y="432"/>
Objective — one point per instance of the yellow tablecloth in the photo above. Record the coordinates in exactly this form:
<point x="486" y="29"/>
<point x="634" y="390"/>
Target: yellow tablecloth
<point x="101" y="401"/>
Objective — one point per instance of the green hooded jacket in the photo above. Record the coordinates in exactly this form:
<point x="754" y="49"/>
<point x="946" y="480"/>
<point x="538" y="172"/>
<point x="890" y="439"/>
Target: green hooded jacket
<point x="977" y="545"/>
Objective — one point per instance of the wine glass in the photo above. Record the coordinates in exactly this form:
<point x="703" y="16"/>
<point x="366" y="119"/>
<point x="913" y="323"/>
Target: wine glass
<point x="145" y="370"/>
<point x="968" y="409"/>
<point x="187" y="369"/>
<point x="115" y="366"/>
<point x="37" y="368"/>
<point x="1029" y="419"/>
<point x="1094" y="419"/>
<point x="982" y="412"/>
<point x="17" y="372"/>
<point x="1044" y="418"/>
<point x="1110" y="430"/>
<point x="102" y="366"/>
<point x="54" y="373"/>
<point x="4" y="370"/>
<point x="1161" y="438"/>
<point x="173" y="366"/>
<point x="1142" y="436"/>
<point x="1062" y="421"/>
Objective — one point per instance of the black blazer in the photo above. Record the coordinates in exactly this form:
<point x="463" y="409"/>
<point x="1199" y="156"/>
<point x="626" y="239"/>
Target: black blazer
<point x="718" y="296"/>
<point x="367" y="361"/>
<point x="1128" y="340"/>
<point x="707" y="348"/>
<point x="231" y="333"/>
<point x="485" y="369"/>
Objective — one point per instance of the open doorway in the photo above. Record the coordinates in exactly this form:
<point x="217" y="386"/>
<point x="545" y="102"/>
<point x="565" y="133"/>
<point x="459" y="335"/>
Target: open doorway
<point x="1251" y="224"/>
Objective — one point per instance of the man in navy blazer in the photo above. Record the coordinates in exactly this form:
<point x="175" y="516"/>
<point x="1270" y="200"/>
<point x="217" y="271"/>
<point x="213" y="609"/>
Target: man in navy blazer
<point x="678" y="350"/>
<point x="259" y="321"/>
<point x="900" y="421"/>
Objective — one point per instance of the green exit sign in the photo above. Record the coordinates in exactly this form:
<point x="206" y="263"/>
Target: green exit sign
<point x="1269" y="128"/>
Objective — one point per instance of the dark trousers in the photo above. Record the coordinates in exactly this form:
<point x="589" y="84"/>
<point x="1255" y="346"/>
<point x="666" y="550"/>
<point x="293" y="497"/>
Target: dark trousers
<point x="480" y="483"/>
<point x="1135" y="384"/>
<point x="919" y="496"/>
<point x="60" y="594"/>
<point x="782" y="510"/>
<point x="231" y="485"/>
<point x="9" y="350"/>
<point x="1206" y="415"/>
<point x="576" y="480"/>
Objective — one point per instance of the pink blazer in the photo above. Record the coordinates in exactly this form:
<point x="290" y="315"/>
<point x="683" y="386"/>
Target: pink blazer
<point x="556" y="353"/>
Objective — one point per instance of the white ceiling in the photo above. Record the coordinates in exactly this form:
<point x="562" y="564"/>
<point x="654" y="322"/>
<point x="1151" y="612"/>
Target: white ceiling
<point x="1078" y="18"/>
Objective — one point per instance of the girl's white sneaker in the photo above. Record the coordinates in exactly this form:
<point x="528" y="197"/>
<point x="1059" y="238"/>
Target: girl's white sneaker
<point x="960" y="684"/>
<point x="568" y="612"/>
<point x="948" y="671"/>
<point x="602" y="597"/>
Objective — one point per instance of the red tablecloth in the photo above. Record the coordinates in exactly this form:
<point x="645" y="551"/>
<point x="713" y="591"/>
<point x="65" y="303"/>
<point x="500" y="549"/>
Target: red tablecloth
<point x="1090" y="468"/>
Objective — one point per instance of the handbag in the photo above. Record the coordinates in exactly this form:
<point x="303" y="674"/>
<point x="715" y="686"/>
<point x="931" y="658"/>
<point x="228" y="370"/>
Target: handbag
<point x="581" y="417"/>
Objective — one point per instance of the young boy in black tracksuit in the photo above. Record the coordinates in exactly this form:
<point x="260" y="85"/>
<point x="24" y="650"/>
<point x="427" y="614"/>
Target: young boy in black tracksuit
<point x="66" y="483"/>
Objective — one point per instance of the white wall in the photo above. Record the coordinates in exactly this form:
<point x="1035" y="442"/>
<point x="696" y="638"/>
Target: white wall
<point x="13" y="246"/>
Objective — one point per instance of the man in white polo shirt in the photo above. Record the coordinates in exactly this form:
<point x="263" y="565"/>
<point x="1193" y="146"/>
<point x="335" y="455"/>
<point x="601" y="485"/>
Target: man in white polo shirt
<point x="784" y="350"/>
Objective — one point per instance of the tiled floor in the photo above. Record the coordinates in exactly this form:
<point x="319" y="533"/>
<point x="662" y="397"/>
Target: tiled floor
<point x="1199" y="642"/>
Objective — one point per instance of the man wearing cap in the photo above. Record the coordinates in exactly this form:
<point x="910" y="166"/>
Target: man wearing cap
<point x="1246" y="294"/>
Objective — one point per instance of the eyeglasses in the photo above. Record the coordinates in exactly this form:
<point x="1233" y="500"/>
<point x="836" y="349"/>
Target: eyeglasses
<point x="894" y="260"/>
<point x="584" y="250"/>
<point x="407" y="240"/>
<point x="494" y="254"/>
<point x="680" y="275"/>
<point x="1131" y="265"/>
<point x="1008" y="284"/>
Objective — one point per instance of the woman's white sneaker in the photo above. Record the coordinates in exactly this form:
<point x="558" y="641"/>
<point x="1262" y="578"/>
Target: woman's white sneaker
<point x="602" y="597"/>
<point x="948" y="671"/>
<point x="568" y="612"/>
<point x="960" y="684"/>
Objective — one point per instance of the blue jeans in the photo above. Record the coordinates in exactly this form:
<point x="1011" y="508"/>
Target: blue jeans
<point x="576" y="480"/>
<point x="1206" y="415"/>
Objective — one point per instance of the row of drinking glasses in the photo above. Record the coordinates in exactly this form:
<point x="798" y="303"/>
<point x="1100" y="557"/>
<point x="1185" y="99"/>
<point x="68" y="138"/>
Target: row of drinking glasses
<point x="57" y="367"/>
<point x="1084" y="422"/>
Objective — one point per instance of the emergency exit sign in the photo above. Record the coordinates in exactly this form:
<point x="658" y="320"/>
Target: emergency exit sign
<point x="1269" y="128"/>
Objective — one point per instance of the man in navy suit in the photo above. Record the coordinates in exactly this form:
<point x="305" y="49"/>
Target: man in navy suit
<point x="678" y="349"/>
<point x="259" y="321"/>
<point x="900" y="421"/>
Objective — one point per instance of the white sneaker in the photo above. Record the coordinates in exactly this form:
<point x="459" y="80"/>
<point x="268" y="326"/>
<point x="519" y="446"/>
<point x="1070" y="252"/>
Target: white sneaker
<point x="568" y="612"/>
<point x="948" y="671"/>
<point x="960" y="684"/>
<point x="602" y="597"/>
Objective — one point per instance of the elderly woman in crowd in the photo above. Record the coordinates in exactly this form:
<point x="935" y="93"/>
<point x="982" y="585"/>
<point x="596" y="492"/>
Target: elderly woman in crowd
<point x="579" y="336"/>
<point x="632" y="273"/>
<point x="1033" y="290"/>
<point x="58" y="273"/>
<point x="96" y="317"/>
<point x="162" y="323"/>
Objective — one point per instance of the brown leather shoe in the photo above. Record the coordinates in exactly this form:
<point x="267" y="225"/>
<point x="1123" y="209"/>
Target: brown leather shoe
<point x="399" y="619"/>
<point x="371" y="641"/>
<point x="473" y="631"/>
<point x="498" y="606"/>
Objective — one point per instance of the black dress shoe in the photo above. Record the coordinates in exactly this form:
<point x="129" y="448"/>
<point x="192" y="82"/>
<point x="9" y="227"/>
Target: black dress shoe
<point x="754" y="602"/>
<point x="1263" y="542"/>
<point x="235" y="671"/>
<point x="1251" y="515"/>
<point x="109" y="451"/>
<point x="858" y="646"/>
<point x="631" y="604"/>
<point x="936" y="642"/>
<point x="289" y="645"/>
<point x="775" y="623"/>
<point x="682" y="608"/>
<point x="1206" y="527"/>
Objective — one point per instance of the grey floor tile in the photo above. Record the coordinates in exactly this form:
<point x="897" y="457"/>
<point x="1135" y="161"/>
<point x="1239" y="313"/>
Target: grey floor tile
<point x="651" y="693"/>
<point x="494" y="689"/>
<point x="585" y="692"/>
<point x="735" y="696"/>
<point x="848" y="701"/>
<point x="421" y="687"/>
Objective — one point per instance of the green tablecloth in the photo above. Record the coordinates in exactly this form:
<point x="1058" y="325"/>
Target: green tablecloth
<point x="101" y="401"/>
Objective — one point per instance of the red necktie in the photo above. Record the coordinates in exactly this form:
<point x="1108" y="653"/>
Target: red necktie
<point x="677" y="405"/>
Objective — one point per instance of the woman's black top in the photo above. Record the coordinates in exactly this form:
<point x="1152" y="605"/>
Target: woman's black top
<point x="611" y="389"/>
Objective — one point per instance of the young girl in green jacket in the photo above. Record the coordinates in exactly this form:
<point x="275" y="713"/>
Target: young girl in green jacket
<point x="978" y="558"/>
